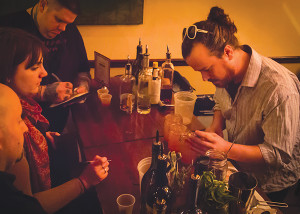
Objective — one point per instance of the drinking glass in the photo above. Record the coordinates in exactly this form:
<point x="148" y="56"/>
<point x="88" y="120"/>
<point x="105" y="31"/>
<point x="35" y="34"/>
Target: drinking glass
<point x="169" y="120"/>
<point x="176" y="130"/>
<point x="184" y="147"/>
<point x="184" y="105"/>
<point x="218" y="163"/>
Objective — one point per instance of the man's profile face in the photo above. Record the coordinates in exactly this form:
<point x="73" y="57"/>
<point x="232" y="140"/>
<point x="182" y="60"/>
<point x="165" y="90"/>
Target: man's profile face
<point x="53" y="20"/>
<point x="12" y="129"/>
<point x="212" y="68"/>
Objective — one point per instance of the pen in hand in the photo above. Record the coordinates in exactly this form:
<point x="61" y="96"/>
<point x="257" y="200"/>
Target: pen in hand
<point x="56" y="77"/>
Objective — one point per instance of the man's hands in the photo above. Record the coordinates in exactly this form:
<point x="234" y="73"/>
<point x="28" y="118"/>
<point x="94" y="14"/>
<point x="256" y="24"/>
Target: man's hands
<point x="204" y="141"/>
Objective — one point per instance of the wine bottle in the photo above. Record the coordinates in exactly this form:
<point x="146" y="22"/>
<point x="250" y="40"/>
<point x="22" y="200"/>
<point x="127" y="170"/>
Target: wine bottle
<point x="149" y="177"/>
<point x="160" y="190"/>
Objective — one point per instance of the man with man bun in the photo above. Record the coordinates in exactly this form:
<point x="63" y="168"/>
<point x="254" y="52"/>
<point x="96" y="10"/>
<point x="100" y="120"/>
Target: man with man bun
<point x="257" y="101"/>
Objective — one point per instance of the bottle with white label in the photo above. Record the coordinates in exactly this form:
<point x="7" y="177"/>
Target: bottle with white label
<point x="155" y="85"/>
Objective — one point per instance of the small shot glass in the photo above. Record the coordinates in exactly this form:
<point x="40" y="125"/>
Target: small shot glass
<point x="102" y="91"/>
<point x="105" y="99"/>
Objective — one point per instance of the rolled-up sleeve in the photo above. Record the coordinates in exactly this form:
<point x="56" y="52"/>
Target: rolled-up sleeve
<point x="280" y="125"/>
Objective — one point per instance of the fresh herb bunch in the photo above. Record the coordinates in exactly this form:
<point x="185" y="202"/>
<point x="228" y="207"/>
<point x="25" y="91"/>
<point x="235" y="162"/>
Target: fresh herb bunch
<point x="213" y="193"/>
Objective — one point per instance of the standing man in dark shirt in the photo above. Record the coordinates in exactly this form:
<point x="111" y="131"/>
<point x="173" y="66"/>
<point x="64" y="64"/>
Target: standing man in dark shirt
<point x="52" y="21"/>
<point x="12" y="129"/>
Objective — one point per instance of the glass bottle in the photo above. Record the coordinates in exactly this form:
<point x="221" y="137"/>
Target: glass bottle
<point x="218" y="163"/>
<point x="149" y="177"/>
<point x="192" y="199"/>
<point x="155" y="85"/>
<point x="160" y="189"/>
<point x="167" y="79"/>
<point x="145" y="76"/>
<point x="137" y="63"/>
<point x="127" y="85"/>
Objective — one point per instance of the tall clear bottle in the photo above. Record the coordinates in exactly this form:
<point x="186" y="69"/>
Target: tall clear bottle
<point x="160" y="194"/>
<point x="127" y="87"/>
<point x="155" y="85"/>
<point x="145" y="76"/>
<point x="167" y="79"/>
<point x="149" y="177"/>
<point x="137" y="63"/>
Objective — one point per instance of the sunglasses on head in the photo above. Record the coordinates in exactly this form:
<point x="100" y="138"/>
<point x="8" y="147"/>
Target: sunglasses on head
<point x="191" y="32"/>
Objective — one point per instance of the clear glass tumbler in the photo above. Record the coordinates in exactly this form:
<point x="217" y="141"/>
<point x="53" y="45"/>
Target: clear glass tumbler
<point x="169" y="120"/>
<point x="217" y="163"/>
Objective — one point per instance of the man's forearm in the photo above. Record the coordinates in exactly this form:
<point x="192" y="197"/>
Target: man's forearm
<point x="246" y="154"/>
<point x="54" y="199"/>
<point x="218" y="123"/>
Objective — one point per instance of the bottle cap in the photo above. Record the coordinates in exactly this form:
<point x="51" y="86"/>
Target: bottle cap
<point x="168" y="54"/>
<point x="155" y="64"/>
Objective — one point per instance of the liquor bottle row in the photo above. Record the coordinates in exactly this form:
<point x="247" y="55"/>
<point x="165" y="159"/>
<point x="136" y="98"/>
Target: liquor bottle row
<point x="145" y="85"/>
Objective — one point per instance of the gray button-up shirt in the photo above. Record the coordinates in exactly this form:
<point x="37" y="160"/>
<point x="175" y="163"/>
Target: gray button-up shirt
<point x="265" y="112"/>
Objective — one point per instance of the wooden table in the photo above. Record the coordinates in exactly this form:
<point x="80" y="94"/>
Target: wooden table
<point x="124" y="139"/>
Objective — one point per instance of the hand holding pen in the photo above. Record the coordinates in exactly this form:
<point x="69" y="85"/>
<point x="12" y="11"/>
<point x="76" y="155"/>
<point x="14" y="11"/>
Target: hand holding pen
<point x="95" y="171"/>
<point x="63" y="90"/>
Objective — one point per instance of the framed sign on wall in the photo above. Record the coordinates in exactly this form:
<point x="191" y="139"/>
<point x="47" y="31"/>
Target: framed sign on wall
<point x="111" y="12"/>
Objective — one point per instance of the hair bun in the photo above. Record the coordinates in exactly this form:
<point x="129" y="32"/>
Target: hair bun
<point x="218" y="16"/>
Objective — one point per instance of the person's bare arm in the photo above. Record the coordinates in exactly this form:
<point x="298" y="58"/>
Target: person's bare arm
<point x="218" y="124"/>
<point x="204" y="141"/>
<point x="54" y="199"/>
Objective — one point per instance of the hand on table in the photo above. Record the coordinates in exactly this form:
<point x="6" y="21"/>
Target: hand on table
<point x="204" y="141"/>
<point x="95" y="172"/>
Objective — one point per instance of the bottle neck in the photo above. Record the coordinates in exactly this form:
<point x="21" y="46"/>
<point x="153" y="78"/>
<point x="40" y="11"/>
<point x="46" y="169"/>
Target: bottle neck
<point x="156" y="150"/>
<point x="139" y="51"/>
<point x="146" y="61"/>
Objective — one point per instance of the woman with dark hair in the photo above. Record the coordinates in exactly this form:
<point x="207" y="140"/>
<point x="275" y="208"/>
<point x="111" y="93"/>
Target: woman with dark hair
<point x="21" y="66"/>
<point x="257" y="101"/>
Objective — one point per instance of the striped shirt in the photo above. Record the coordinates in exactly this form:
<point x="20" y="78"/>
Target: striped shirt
<point x="265" y="112"/>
